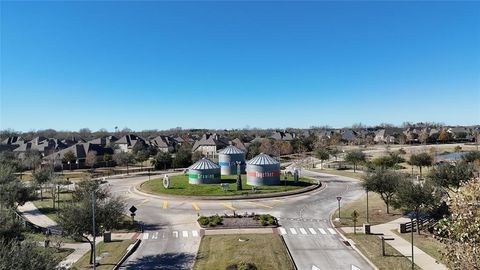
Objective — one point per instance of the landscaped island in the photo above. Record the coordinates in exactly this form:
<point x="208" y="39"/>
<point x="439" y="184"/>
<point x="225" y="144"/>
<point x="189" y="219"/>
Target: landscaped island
<point x="179" y="186"/>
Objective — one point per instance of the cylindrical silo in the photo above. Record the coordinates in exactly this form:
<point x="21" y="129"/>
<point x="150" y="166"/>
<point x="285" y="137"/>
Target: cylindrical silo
<point x="263" y="170"/>
<point x="227" y="159"/>
<point x="204" y="171"/>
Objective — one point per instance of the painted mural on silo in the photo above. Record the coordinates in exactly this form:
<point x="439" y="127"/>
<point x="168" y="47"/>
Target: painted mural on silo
<point x="204" y="171"/>
<point x="263" y="170"/>
<point x="228" y="158"/>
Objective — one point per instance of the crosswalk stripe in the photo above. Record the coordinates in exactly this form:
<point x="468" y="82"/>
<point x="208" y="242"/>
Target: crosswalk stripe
<point x="312" y="231"/>
<point x="175" y="234"/>
<point x="145" y="236"/>
<point x="228" y="206"/>
<point x="261" y="204"/>
<point x="332" y="231"/>
<point x="195" y="233"/>
<point x="302" y="230"/>
<point x="282" y="231"/>
<point x="293" y="231"/>
<point x="185" y="233"/>
<point x="165" y="204"/>
<point x="322" y="231"/>
<point x="195" y="206"/>
<point x="155" y="236"/>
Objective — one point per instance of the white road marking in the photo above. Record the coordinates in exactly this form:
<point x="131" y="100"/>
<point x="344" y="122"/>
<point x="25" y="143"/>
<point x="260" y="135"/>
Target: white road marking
<point x="314" y="267"/>
<point x="185" y="233"/>
<point x="322" y="231"/>
<point x="155" y="236"/>
<point x="175" y="234"/>
<point x="332" y="231"/>
<point x="293" y="231"/>
<point x="312" y="230"/>
<point x="355" y="268"/>
<point x="195" y="233"/>
<point x="163" y="235"/>
<point x="282" y="231"/>
<point x="145" y="236"/>
<point x="303" y="231"/>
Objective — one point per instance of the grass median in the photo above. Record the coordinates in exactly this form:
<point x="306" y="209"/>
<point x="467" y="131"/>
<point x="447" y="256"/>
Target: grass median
<point x="109" y="253"/>
<point x="222" y="251"/>
<point x="179" y="186"/>
<point x="377" y="212"/>
<point x="370" y="246"/>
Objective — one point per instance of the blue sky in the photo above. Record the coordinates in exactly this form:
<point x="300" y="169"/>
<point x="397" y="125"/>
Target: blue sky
<point x="158" y="65"/>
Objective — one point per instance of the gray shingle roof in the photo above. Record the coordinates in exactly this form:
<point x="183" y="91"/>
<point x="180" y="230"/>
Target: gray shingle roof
<point x="262" y="159"/>
<point x="204" y="164"/>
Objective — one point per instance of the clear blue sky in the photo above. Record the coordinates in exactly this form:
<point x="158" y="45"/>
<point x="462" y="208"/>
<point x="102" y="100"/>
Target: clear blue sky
<point x="157" y="65"/>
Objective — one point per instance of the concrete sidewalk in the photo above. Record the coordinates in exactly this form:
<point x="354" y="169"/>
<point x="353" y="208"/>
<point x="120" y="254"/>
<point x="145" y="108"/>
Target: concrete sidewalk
<point x="422" y="259"/>
<point x="32" y="214"/>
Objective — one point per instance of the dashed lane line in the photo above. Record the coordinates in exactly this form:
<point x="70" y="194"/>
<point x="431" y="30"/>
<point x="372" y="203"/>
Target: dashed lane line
<point x="195" y="206"/>
<point x="261" y="204"/>
<point x="228" y="206"/>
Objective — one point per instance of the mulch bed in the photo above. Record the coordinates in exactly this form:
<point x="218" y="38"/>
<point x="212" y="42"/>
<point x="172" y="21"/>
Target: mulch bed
<point x="239" y="222"/>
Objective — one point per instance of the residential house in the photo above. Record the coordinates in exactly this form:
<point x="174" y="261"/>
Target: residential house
<point x="209" y="144"/>
<point x="80" y="151"/>
<point x="283" y="136"/>
<point x="163" y="143"/>
<point x="128" y="142"/>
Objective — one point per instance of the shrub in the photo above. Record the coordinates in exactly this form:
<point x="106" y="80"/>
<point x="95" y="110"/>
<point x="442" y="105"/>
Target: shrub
<point x="203" y="221"/>
<point x="210" y="221"/>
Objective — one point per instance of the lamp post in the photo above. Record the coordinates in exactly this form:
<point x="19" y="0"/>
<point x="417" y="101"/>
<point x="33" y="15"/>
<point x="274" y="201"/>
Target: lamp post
<point x="339" y="198"/>
<point x="413" y="260"/>
<point x="93" y="229"/>
<point x="367" y="207"/>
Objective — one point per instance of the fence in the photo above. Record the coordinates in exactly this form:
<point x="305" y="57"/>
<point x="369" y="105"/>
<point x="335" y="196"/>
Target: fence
<point x="407" y="227"/>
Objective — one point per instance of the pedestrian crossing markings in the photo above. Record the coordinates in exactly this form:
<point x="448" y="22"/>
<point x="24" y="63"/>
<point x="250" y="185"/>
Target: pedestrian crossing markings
<point x="174" y="234"/>
<point x="303" y="231"/>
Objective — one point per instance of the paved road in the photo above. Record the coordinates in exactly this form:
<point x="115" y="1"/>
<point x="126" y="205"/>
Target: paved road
<point x="172" y="236"/>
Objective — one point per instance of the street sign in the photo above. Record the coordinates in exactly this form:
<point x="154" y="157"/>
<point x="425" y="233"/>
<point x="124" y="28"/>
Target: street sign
<point x="133" y="209"/>
<point x="339" y="198"/>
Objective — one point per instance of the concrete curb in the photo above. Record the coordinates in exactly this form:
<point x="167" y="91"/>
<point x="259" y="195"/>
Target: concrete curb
<point x="289" y="253"/>
<point x="339" y="232"/>
<point x="127" y="254"/>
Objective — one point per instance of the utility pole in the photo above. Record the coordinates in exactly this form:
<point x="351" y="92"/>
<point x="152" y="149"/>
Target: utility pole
<point x="93" y="229"/>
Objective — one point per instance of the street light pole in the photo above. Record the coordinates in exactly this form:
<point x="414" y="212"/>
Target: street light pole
<point x="367" y="207"/>
<point x="93" y="229"/>
<point x="339" y="198"/>
<point x="413" y="261"/>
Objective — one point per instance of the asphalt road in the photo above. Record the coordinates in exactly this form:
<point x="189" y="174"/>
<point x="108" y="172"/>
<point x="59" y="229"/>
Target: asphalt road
<point x="172" y="236"/>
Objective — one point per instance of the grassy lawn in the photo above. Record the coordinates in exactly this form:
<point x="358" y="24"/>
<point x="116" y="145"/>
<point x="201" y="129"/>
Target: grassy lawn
<point x="370" y="246"/>
<point x="377" y="211"/>
<point x="110" y="254"/>
<point x="220" y="251"/>
<point x="426" y="242"/>
<point x="40" y="237"/>
<point x="179" y="186"/>
<point x="46" y="205"/>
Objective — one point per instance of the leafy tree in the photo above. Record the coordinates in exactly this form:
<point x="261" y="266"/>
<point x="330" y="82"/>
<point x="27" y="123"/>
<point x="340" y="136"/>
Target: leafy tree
<point x="401" y="152"/>
<point x="10" y="228"/>
<point x="32" y="159"/>
<point x="471" y="156"/>
<point x="334" y="151"/>
<point x="449" y="176"/>
<point x="182" y="158"/>
<point x="322" y="154"/>
<point x="41" y="177"/>
<point x="444" y="136"/>
<point x="457" y="148"/>
<point x="10" y="159"/>
<point x="196" y="156"/>
<point x="26" y="255"/>
<point x="253" y="150"/>
<point x="415" y="197"/>
<point x="162" y="159"/>
<point x="69" y="157"/>
<point x="123" y="159"/>
<point x="421" y="160"/>
<point x="107" y="158"/>
<point x="12" y="190"/>
<point x="76" y="218"/>
<point x="355" y="157"/>
<point x="460" y="232"/>
<point x="142" y="156"/>
<point x="389" y="161"/>
<point x="383" y="182"/>
<point x="91" y="159"/>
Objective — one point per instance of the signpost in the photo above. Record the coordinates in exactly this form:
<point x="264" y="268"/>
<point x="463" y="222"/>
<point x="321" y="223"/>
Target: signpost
<point x="132" y="210"/>
<point x="339" y="198"/>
